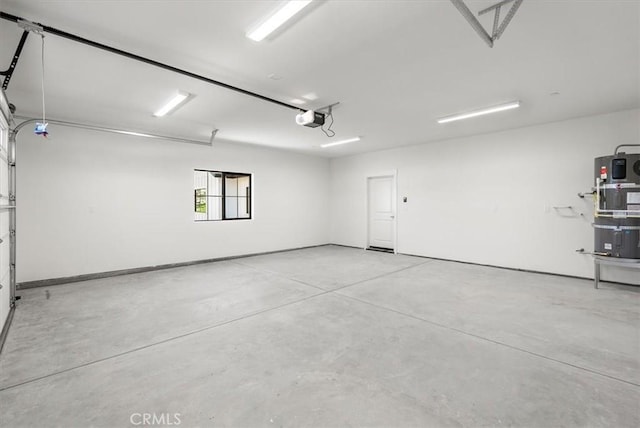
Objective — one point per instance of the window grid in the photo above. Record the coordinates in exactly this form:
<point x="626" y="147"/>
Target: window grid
<point x="229" y="199"/>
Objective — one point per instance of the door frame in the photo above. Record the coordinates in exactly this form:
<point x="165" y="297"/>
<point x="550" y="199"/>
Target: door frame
<point x="393" y="174"/>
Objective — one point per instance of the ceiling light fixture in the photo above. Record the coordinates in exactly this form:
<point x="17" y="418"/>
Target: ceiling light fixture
<point x="179" y="99"/>
<point x="277" y="19"/>
<point x="474" y="113"/>
<point x="337" y="143"/>
<point x="311" y="96"/>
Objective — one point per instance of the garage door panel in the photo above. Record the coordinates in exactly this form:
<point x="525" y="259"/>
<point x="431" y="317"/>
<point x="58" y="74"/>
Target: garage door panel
<point x="5" y="245"/>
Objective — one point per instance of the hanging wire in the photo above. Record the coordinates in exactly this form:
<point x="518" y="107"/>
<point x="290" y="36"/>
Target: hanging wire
<point x="329" y="132"/>
<point x="41" y="128"/>
<point x="43" y="103"/>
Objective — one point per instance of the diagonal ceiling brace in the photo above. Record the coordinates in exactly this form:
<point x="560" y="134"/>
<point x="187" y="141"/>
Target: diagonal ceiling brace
<point x="496" y="23"/>
<point x="507" y="19"/>
<point x="495" y="6"/>
<point x="468" y="15"/>
<point x="14" y="61"/>
<point x="498" y="28"/>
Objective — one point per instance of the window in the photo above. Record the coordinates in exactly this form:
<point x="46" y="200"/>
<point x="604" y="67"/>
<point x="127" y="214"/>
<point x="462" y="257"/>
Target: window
<point x="221" y="195"/>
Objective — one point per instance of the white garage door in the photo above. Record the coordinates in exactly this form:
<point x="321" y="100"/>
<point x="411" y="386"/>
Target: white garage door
<point x="5" y="292"/>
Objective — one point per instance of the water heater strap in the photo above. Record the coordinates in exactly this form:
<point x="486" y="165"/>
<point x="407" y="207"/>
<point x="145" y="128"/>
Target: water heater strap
<point x="617" y="228"/>
<point x="620" y="186"/>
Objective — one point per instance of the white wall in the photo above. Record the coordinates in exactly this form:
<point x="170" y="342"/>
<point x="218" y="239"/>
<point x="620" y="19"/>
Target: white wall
<point x="485" y="199"/>
<point x="93" y="202"/>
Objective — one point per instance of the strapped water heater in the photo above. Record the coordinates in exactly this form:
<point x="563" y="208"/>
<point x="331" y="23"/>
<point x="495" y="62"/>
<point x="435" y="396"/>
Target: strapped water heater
<point x="617" y="206"/>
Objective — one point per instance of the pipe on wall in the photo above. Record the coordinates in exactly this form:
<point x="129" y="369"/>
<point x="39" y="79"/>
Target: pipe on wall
<point x="27" y="121"/>
<point x="615" y="152"/>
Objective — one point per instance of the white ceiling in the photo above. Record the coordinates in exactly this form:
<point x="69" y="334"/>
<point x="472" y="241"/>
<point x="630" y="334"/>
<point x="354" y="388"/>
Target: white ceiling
<point x="394" y="66"/>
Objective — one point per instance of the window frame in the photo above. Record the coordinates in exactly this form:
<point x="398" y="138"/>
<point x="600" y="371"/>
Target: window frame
<point x="223" y="195"/>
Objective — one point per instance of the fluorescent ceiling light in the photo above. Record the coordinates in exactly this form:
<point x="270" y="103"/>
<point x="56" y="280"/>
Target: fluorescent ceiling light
<point x="277" y="19"/>
<point x="297" y="101"/>
<point x="337" y="143"/>
<point x="172" y="104"/>
<point x="488" y="110"/>
<point x="311" y="96"/>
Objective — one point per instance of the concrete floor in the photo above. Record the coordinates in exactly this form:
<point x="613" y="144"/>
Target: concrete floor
<point x="330" y="337"/>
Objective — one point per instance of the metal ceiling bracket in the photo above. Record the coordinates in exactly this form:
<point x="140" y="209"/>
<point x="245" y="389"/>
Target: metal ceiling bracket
<point x="498" y="28"/>
<point x="30" y="26"/>
<point x="496" y="23"/>
<point x="507" y="19"/>
<point x="14" y="61"/>
<point x="213" y="135"/>
<point x="473" y="21"/>
<point x="328" y="109"/>
<point x="495" y="6"/>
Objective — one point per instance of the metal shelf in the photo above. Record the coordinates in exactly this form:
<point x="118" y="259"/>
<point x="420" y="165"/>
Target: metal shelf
<point x="612" y="261"/>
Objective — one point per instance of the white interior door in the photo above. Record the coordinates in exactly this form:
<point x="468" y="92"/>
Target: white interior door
<point x="381" y="212"/>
